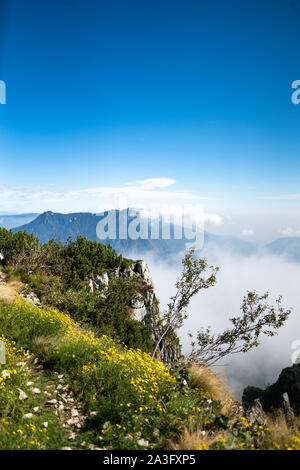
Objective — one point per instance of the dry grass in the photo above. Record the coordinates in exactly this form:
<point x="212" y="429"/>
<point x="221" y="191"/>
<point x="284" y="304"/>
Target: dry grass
<point x="9" y="291"/>
<point x="193" y="439"/>
<point x="204" y="378"/>
<point x="279" y="431"/>
<point x="44" y="343"/>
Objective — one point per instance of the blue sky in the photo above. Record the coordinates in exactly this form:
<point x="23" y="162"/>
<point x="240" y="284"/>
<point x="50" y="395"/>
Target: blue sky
<point x="192" y="95"/>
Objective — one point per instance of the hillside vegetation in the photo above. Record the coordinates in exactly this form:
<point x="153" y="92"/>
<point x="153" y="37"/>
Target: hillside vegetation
<point x="59" y="275"/>
<point x="73" y="380"/>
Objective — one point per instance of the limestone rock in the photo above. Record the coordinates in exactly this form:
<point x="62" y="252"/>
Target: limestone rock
<point x="288" y="410"/>
<point x="22" y="395"/>
<point x="51" y="402"/>
<point x="143" y="443"/>
<point x="256" y="412"/>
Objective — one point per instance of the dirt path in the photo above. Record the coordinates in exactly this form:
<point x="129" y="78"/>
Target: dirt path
<point x="8" y="290"/>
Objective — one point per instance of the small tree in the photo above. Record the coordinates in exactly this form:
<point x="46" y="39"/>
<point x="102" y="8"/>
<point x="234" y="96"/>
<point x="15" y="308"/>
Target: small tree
<point x="191" y="281"/>
<point x="258" y="317"/>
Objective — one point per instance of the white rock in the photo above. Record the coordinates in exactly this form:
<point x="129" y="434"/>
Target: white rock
<point x="143" y="443"/>
<point x="51" y="402"/>
<point x="28" y="416"/>
<point x="71" y="421"/>
<point x="22" y="395"/>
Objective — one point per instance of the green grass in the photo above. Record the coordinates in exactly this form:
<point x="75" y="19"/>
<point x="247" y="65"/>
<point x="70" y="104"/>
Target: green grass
<point x="131" y="395"/>
<point x="129" y="400"/>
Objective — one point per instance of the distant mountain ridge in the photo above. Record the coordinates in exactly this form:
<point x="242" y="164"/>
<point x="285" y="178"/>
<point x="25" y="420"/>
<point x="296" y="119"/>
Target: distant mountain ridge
<point x="10" y="221"/>
<point x="289" y="247"/>
<point x="62" y="226"/>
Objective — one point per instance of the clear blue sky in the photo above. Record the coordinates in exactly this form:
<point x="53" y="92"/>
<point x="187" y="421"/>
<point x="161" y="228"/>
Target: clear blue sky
<point x="102" y="93"/>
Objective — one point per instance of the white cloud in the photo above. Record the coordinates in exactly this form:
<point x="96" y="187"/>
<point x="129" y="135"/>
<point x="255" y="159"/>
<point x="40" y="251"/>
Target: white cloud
<point x="247" y="232"/>
<point x="146" y="193"/>
<point x="152" y="183"/>
<point x="147" y="189"/>
<point x="177" y="212"/>
<point x="289" y="232"/>
<point x="284" y="197"/>
<point x="215" y="306"/>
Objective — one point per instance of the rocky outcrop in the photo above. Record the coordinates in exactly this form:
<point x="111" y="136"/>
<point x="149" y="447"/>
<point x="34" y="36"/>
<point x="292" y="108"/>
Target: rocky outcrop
<point x="139" y="268"/>
<point x="288" y="382"/>
<point x="284" y="393"/>
<point x="250" y="394"/>
<point x="98" y="282"/>
<point x="145" y="308"/>
<point x="31" y="297"/>
<point x="256" y="412"/>
<point x="288" y="410"/>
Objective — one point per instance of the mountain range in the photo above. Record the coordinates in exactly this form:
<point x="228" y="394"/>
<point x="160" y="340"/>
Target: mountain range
<point x="62" y="226"/>
<point x="289" y="247"/>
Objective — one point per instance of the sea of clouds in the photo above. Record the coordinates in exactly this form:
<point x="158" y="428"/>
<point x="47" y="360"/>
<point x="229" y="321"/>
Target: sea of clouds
<point x="213" y="307"/>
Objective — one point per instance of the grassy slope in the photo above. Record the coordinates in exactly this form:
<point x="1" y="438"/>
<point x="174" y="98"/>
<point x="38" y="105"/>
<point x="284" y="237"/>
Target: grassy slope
<point x="119" y="398"/>
<point x="37" y="406"/>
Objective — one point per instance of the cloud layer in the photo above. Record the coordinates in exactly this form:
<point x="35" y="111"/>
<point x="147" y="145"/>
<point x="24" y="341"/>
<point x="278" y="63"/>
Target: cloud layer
<point x="216" y="305"/>
<point x="146" y="190"/>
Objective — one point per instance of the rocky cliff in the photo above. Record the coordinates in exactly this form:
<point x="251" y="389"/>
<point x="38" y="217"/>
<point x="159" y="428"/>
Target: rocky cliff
<point x="275" y="396"/>
<point x="146" y="308"/>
